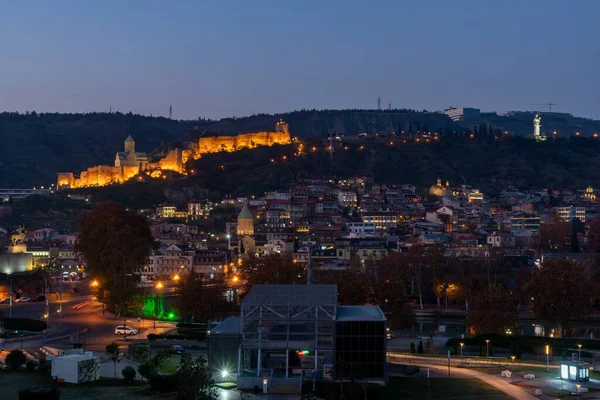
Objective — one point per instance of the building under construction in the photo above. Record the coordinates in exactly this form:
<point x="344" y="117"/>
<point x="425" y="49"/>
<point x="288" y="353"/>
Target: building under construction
<point x="287" y="334"/>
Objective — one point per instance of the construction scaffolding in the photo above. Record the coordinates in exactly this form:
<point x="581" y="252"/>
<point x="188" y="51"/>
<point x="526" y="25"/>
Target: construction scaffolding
<point x="287" y="333"/>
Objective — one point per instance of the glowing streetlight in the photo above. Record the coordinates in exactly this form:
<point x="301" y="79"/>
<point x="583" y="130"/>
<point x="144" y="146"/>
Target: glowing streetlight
<point x="95" y="283"/>
<point x="487" y="347"/>
<point x="159" y="285"/>
<point x="235" y="279"/>
<point x="547" y="357"/>
<point x="579" y="345"/>
<point x="513" y="359"/>
<point x="176" y="278"/>
<point x="461" y="348"/>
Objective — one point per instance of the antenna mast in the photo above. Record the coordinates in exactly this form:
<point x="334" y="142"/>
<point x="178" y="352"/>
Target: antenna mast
<point x="379" y="103"/>
<point x="170" y="111"/>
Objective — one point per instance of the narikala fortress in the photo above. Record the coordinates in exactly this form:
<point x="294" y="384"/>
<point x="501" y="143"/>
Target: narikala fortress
<point x="129" y="163"/>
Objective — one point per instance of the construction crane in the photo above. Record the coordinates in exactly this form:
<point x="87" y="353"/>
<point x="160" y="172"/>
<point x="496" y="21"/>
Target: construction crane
<point x="549" y="104"/>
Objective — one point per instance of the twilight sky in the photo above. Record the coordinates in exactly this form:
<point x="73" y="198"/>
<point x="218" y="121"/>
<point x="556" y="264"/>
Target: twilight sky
<point x="232" y="58"/>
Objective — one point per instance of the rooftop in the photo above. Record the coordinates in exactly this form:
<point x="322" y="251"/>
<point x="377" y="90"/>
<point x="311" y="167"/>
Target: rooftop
<point x="305" y="295"/>
<point x="230" y="326"/>
<point x="359" y="313"/>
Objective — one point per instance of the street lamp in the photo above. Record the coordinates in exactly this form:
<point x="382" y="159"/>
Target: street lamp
<point x="176" y="278"/>
<point x="461" y="349"/>
<point x="487" y="348"/>
<point x="159" y="285"/>
<point x="513" y="359"/>
<point x="547" y="358"/>
<point x="95" y="283"/>
<point x="579" y="345"/>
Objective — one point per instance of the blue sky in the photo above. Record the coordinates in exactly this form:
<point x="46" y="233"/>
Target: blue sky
<point x="233" y="58"/>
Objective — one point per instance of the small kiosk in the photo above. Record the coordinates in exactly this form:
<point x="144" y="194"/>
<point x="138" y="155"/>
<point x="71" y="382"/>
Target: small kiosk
<point x="576" y="371"/>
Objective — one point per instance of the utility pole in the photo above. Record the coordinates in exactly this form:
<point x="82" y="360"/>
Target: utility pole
<point x="60" y="301"/>
<point x="10" y="300"/>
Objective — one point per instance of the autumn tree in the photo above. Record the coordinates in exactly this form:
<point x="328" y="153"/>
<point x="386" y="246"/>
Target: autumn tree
<point x="197" y="301"/>
<point x="560" y="291"/>
<point x="555" y="235"/>
<point x="115" y="243"/>
<point x="492" y="311"/>
<point x="422" y="260"/>
<point x="593" y="237"/>
<point x="272" y="269"/>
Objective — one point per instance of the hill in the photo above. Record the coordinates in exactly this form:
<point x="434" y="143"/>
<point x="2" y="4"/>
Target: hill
<point x="37" y="146"/>
<point x="483" y="161"/>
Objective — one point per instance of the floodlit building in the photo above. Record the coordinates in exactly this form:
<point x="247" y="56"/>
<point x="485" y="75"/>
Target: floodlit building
<point x="288" y="334"/>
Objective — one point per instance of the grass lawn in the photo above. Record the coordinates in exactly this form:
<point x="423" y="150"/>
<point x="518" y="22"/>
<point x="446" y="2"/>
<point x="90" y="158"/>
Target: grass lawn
<point x="11" y="382"/>
<point x="170" y="365"/>
<point x="442" y="388"/>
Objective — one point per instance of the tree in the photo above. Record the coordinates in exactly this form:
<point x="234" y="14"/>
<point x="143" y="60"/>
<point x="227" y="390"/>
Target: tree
<point x="560" y="292"/>
<point x="194" y="382"/>
<point x="128" y="374"/>
<point x="420" y="347"/>
<point x="115" y="243"/>
<point x="555" y="235"/>
<point x="492" y="311"/>
<point x="272" y="269"/>
<point x="593" y="237"/>
<point x="574" y="239"/>
<point x="197" y="301"/>
<point x="113" y="351"/>
<point x="15" y="359"/>
<point x="422" y="260"/>
<point x="412" y="347"/>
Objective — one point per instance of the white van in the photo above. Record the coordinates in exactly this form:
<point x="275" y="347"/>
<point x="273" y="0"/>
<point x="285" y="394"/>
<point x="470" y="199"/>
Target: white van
<point x="125" y="330"/>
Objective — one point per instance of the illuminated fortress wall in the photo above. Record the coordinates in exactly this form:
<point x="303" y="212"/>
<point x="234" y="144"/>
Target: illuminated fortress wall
<point x="129" y="163"/>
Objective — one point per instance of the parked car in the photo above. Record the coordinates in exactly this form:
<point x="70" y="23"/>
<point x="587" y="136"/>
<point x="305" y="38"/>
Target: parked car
<point x="23" y="300"/>
<point x="177" y="349"/>
<point x="5" y="301"/>
<point x="125" y="330"/>
<point x="39" y="298"/>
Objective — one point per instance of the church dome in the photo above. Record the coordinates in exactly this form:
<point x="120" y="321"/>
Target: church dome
<point x="245" y="213"/>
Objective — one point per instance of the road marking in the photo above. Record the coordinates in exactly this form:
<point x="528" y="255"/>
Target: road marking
<point x="78" y="306"/>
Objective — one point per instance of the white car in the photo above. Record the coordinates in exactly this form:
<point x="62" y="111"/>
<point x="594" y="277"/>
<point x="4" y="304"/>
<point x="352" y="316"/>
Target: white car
<point x="125" y="330"/>
<point x="23" y="300"/>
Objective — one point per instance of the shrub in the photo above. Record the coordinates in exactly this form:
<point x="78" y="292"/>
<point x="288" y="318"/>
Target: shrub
<point x="128" y="374"/>
<point x="420" y="347"/>
<point x="39" y="394"/>
<point x="15" y="359"/>
<point x="147" y="369"/>
<point x="43" y="367"/>
<point x="163" y="383"/>
<point x="412" y="347"/>
<point x="24" y="324"/>
<point x="30" y="365"/>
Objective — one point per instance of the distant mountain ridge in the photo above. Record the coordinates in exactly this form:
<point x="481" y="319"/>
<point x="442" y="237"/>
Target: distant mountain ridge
<point x="37" y="146"/>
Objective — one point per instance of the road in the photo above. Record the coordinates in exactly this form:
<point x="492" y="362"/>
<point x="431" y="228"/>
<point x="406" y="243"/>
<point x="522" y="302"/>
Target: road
<point x="78" y="314"/>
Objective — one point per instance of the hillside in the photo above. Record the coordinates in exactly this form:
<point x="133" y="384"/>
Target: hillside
<point x="37" y="146"/>
<point x="483" y="162"/>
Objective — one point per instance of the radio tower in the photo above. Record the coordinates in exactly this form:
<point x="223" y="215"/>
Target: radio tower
<point x="170" y="111"/>
<point x="379" y="103"/>
<point x="390" y="106"/>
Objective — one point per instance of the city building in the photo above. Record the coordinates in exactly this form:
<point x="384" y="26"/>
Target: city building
<point x="525" y="222"/>
<point x="570" y="212"/>
<point x="381" y="219"/>
<point x="347" y="199"/>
